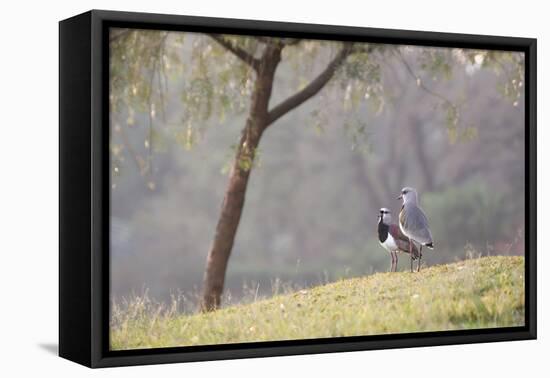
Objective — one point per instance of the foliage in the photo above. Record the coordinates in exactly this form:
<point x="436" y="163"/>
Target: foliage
<point x="510" y="67"/>
<point x="143" y="64"/>
<point x="480" y="293"/>
<point x="216" y="84"/>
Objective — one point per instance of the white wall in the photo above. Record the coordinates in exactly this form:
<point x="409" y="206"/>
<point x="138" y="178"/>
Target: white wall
<point x="28" y="189"/>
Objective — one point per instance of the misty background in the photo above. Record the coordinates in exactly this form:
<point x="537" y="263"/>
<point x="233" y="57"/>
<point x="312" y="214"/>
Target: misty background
<point x="455" y="132"/>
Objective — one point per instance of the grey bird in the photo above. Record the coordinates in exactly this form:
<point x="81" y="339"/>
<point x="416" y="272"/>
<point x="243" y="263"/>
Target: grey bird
<point x="392" y="239"/>
<point x="414" y="223"/>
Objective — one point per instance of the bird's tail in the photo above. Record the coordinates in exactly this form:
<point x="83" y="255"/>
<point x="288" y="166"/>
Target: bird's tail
<point x="430" y="245"/>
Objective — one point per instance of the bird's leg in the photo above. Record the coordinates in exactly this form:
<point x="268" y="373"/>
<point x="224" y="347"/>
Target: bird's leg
<point x="395" y="268"/>
<point x="419" y="258"/>
<point x="391" y="266"/>
<point x="411" y="254"/>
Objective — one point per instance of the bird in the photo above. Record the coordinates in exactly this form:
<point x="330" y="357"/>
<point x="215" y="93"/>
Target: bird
<point x="392" y="239"/>
<point x="414" y="223"/>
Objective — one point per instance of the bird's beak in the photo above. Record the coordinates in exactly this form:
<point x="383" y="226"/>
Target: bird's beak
<point x="400" y="197"/>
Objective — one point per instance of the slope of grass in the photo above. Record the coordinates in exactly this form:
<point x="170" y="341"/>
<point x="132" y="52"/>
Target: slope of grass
<point x="478" y="293"/>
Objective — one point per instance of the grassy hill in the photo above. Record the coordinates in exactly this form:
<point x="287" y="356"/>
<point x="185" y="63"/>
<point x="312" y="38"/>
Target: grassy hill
<point x="478" y="293"/>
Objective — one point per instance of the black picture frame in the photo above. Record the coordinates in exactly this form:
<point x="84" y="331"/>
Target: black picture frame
<point x="84" y="189"/>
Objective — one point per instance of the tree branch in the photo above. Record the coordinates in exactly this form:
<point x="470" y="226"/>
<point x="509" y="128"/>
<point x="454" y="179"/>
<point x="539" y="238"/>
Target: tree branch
<point x="311" y="89"/>
<point x="243" y="55"/>
<point x="419" y="81"/>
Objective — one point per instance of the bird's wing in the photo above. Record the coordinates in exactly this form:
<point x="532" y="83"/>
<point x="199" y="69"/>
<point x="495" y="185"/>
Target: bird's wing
<point x="396" y="232"/>
<point x="415" y="224"/>
<point x="402" y="241"/>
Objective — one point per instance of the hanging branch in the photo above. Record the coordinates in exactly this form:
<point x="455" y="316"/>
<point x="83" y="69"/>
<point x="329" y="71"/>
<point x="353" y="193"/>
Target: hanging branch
<point x="162" y="88"/>
<point x="311" y="89"/>
<point x="240" y="53"/>
<point x="419" y="81"/>
<point x="454" y="107"/>
<point x="149" y="144"/>
<point x="157" y="61"/>
<point x="135" y="156"/>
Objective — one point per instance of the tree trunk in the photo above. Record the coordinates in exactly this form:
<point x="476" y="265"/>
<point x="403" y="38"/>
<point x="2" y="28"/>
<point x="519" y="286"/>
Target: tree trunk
<point x="233" y="203"/>
<point x="232" y="206"/>
<point x="259" y="119"/>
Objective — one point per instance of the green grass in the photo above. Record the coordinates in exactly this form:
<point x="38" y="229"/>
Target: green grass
<point x="478" y="293"/>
